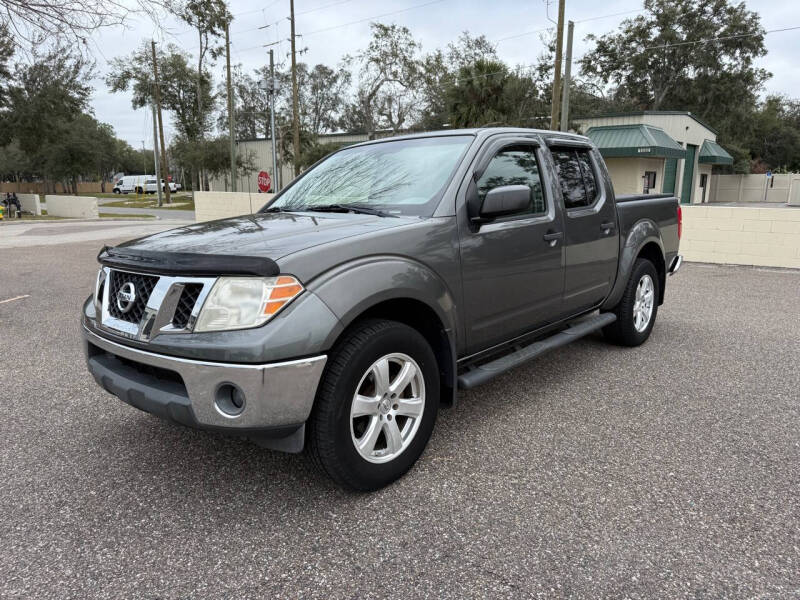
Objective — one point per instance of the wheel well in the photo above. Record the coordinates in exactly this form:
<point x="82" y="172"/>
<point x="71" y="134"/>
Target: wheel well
<point x="652" y="252"/>
<point x="424" y="319"/>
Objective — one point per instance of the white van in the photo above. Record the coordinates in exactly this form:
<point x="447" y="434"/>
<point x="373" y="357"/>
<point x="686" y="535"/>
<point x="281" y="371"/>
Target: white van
<point x="131" y="183"/>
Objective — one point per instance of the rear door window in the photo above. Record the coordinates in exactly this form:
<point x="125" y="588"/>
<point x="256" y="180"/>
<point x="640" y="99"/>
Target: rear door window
<point x="576" y="177"/>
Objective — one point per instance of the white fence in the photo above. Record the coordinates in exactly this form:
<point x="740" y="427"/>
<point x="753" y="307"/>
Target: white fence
<point x="72" y="206"/>
<point x="209" y="206"/>
<point x="755" y="188"/>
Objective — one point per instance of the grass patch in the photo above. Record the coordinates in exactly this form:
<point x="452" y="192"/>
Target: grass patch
<point x="178" y="203"/>
<point x="125" y="216"/>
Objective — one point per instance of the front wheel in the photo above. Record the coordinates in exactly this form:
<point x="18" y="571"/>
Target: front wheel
<point x="376" y="405"/>
<point x="638" y="307"/>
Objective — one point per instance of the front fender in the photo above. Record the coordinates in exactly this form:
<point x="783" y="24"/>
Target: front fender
<point x="641" y="234"/>
<point x="352" y="288"/>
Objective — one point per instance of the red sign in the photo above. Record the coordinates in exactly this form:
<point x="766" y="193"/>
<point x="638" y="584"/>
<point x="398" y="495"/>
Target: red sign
<point x="264" y="182"/>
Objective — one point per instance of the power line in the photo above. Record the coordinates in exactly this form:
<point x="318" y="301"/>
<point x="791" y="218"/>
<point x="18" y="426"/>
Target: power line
<point x="395" y="12"/>
<point x="617" y="14"/>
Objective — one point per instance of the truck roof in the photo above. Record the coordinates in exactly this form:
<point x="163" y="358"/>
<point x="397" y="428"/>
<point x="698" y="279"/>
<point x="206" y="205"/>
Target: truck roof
<point x="479" y="132"/>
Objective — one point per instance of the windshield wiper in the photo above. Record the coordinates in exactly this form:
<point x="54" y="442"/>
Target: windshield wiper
<point x="356" y="208"/>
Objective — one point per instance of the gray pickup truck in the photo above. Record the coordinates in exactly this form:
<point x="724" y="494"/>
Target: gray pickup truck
<point x="342" y="315"/>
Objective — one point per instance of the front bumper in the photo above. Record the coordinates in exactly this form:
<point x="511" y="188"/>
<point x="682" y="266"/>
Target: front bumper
<point x="277" y="396"/>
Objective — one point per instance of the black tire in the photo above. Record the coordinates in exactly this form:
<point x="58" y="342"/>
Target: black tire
<point x="330" y="442"/>
<point x="623" y="331"/>
<point x="139" y="190"/>
<point x="116" y="190"/>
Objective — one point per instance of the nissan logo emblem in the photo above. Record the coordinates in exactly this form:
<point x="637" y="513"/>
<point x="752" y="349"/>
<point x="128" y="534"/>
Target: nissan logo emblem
<point x="126" y="297"/>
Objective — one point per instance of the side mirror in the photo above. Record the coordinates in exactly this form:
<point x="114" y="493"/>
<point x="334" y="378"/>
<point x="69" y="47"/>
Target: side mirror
<point x="505" y="200"/>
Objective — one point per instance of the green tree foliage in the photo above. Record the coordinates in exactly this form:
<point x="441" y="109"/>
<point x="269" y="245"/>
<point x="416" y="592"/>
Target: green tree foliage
<point x="487" y="93"/>
<point x="388" y="81"/>
<point x="774" y="141"/>
<point x="650" y="63"/>
<point x="177" y="80"/>
<point x="214" y="155"/>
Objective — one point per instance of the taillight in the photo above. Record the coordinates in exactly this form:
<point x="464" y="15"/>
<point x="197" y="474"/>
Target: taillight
<point x="680" y="221"/>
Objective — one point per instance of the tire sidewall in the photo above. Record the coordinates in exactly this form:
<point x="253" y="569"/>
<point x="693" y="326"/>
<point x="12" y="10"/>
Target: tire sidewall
<point x="642" y="268"/>
<point x="397" y="339"/>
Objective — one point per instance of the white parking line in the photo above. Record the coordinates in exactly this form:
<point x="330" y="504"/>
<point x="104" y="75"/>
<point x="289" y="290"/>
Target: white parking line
<point x="15" y="298"/>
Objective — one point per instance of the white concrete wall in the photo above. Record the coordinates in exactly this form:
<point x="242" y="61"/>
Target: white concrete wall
<point x="30" y="203"/>
<point x="794" y="191"/>
<point x="71" y="206"/>
<point x="209" y="206"/>
<point x="741" y="235"/>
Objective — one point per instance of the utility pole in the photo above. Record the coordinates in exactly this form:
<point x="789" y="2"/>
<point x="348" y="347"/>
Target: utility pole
<point x="557" y="72"/>
<point x="567" y="79"/>
<point x="155" y="151"/>
<point x="230" y="106"/>
<point x="295" y="107"/>
<point x="164" y="167"/>
<point x="272" y="134"/>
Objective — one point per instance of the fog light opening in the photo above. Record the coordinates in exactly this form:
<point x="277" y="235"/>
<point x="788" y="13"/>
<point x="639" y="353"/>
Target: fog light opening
<point x="229" y="400"/>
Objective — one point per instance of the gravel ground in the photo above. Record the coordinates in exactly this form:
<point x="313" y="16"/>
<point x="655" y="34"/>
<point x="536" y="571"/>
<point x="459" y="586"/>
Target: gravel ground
<point x="670" y="471"/>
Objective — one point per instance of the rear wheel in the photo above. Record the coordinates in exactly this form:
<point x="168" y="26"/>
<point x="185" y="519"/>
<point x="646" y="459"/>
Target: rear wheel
<point x="638" y="307"/>
<point x="376" y="405"/>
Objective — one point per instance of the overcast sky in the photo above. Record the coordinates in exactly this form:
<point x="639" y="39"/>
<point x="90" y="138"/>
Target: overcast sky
<point x="330" y="32"/>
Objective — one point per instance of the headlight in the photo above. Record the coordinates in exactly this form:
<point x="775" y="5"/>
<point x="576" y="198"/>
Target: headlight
<point x="242" y="302"/>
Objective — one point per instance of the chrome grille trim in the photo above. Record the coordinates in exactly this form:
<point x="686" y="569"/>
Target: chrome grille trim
<point x="160" y="309"/>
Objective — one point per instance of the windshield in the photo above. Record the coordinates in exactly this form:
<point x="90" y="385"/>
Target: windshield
<point x="403" y="177"/>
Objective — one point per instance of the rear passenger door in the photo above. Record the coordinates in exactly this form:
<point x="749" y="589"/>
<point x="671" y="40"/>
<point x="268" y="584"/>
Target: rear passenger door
<point x="591" y="229"/>
<point x="512" y="266"/>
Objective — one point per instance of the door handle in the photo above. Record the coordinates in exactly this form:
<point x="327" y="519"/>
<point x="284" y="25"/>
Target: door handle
<point x="607" y="227"/>
<point x="553" y="237"/>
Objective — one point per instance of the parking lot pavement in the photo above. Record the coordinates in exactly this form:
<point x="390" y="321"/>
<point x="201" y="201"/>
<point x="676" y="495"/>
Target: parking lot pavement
<point x="667" y="471"/>
<point x="27" y="234"/>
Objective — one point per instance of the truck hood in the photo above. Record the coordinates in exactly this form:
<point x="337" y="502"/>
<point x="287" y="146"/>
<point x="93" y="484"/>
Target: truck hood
<point x="265" y="235"/>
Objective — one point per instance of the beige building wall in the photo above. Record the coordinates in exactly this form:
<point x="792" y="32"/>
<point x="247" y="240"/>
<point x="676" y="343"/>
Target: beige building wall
<point x="683" y="128"/>
<point x="209" y="206"/>
<point x="627" y="174"/>
<point x="741" y="235"/>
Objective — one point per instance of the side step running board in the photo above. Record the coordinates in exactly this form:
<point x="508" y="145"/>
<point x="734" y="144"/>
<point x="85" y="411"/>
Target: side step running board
<point x="576" y="330"/>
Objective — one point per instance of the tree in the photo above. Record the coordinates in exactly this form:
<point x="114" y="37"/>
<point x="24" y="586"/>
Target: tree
<point x="388" y="81"/>
<point x="439" y="70"/>
<point x="209" y="18"/>
<point x="46" y="95"/>
<point x="69" y="21"/>
<point x="321" y="96"/>
<point x="252" y="104"/>
<point x="652" y="63"/>
<point x="775" y="139"/>
<point x="178" y="90"/>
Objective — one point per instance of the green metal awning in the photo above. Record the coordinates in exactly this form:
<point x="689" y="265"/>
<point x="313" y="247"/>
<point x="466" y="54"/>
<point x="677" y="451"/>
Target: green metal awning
<point x="713" y="154"/>
<point x="634" y="140"/>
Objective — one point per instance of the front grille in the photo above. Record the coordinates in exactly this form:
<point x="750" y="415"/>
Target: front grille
<point x="143" y="286"/>
<point x="189" y="295"/>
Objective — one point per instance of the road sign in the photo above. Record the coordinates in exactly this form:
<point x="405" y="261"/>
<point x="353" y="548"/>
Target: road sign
<point x="769" y="174"/>
<point x="264" y="182"/>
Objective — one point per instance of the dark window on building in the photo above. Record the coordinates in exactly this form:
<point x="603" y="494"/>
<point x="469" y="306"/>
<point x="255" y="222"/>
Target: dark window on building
<point x="649" y="181"/>
<point x="576" y="176"/>
<point x="514" y="166"/>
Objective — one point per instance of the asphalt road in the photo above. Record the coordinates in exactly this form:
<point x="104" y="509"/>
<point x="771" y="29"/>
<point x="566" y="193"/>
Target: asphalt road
<point x="667" y="471"/>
